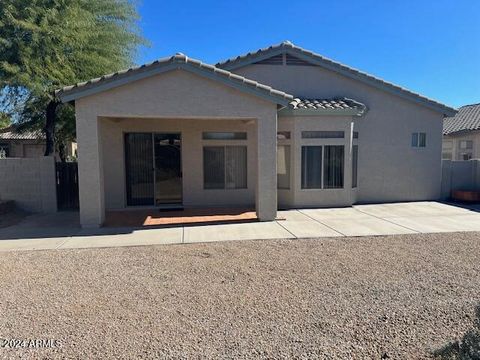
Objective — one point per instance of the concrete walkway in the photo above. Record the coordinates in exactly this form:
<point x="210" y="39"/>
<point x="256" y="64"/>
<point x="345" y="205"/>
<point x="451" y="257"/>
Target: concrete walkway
<point x="43" y="231"/>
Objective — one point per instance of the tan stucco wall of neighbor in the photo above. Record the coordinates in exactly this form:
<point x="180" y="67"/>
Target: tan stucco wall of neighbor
<point x="176" y="99"/>
<point x="29" y="182"/>
<point x="453" y="142"/>
<point x="389" y="168"/>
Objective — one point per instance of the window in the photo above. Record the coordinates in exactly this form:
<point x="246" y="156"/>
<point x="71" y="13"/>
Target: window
<point x="466" y="156"/>
<point x="447" y="145"/>
<point x="354" y="165"/>
<point x="4" y="150"/>
<point x="311" y="167"/>
<point x="225" y="167"/>
<point x="465" y="144"/>
<point x="419" y="139"/>
<point x="283" y="135"/>
<point x="224" y="136"/>
<point x="332" y="159"/>
<point x="283" y="166"/>
<point x="333" y="163"/>
<point x="323" y="134"/>
<point x="447" y="156"/>
<point x="355" y="134"/>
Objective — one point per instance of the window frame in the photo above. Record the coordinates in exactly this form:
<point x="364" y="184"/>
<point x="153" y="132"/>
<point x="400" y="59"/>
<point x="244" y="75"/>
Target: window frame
<point x="224" y="147"/>
<point x="416" y="140"/>
<point x="6" y="147"/>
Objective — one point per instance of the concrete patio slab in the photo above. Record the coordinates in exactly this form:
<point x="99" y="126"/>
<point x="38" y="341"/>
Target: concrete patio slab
<point x="435" y="224"/>
<point x="31" y="244"/>
<point x="62" y="230"/>
<point x="136" y="238"/>
<point x="308" y="229"/>
<point x="247" y="231"/>
<point x="366" y="227"/>
<point x="411" y="209"/>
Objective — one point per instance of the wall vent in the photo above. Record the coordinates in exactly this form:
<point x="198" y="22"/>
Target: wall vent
<point x="292" y="60"/>
<point x="274" y="60"/>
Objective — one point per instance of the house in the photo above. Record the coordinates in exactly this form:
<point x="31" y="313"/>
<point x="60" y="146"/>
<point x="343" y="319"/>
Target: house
<point x="26" y="144"/>
<point x="461" y="134"/>
<point x="281" y="127"/>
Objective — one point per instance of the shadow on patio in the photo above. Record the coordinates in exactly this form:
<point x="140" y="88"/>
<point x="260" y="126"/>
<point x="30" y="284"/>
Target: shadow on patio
<point x="182" y="217"/>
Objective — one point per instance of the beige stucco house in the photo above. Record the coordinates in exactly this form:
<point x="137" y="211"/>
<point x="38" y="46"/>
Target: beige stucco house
<point x="28" y="144"/>
<point x="278" y="128"/>
<point x="461" y="134"/>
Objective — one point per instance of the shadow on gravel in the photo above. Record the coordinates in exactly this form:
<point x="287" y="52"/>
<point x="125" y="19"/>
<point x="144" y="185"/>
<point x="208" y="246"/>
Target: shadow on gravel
<point x="467" y="348"/>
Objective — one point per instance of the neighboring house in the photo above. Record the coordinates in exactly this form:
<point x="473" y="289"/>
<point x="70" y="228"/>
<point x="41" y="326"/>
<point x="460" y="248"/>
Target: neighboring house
<point x="280" y="127"/>
<point x="461" y="134"/>
<point x="27" y="144"/>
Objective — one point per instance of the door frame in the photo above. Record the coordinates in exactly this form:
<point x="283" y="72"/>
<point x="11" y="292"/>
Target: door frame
<point x="153" y="205"/>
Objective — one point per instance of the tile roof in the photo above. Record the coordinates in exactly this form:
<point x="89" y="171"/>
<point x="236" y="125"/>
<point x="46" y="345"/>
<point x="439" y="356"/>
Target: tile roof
<point x="11" y="133"/>
<point x="179" y="60"/>
<point x="289" y="47"/>
<point x="324" y="104"/>
<point x="467" y="118"/>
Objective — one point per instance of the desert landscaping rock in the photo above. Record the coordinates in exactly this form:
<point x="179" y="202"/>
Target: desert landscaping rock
<point x="391" y="297"/>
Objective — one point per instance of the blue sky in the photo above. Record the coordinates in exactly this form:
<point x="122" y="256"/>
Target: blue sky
<point x="428" y="46"/>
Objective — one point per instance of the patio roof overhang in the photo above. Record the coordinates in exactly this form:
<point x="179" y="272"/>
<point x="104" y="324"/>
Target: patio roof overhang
<point x="176" y="62"/>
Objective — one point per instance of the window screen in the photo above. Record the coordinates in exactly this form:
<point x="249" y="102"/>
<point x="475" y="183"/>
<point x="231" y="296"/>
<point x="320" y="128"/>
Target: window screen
<point x="225" y="167"/>
<point x="283" y="166"/>
<point x="224" y="136"/>
<point x="333" y="167"/>
<point x="354" y="165"/>
<point x="311" y="167"/>
<point x="323" y="134"/>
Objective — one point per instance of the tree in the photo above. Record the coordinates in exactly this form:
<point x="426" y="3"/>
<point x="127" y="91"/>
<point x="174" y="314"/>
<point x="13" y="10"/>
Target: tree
<point x="47" y="44"/>
<point x="4" y="120"/>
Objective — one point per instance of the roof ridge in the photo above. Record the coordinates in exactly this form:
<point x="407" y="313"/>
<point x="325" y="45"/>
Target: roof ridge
<point x="183" y="60"/>
<point x="345" y="68"/>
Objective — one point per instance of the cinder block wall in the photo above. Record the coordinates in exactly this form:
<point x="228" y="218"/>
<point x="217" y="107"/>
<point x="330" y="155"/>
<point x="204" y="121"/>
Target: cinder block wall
<point x="30" y="182"/>
<point x="460" y="175"/>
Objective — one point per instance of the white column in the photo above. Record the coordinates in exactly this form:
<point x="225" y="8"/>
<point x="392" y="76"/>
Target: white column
<point x="347" y="181"/>
<point x="90" y="171"/>
<point x="266" y="192"/>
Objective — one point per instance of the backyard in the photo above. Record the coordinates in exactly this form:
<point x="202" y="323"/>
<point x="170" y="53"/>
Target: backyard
<point x="402" y="296"/>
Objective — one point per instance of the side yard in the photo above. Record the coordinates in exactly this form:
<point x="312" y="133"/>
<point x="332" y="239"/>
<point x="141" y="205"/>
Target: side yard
<point x="399" y="296"/>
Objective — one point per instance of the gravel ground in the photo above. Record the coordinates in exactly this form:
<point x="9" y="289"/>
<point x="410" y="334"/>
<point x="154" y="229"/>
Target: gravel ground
<point x="372" y="297"/>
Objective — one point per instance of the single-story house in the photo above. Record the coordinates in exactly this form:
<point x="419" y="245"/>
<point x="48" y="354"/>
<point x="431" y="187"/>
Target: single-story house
<point x="27" y="144"/>
<point x="461" y="134"/>
<point x="279" y="127"/>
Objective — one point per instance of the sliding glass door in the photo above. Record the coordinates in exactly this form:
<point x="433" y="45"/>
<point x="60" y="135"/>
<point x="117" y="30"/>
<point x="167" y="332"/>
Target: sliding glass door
<point x="139" y="166"/>
<point x="168" y="169"/>
<point x="153" y="169"/>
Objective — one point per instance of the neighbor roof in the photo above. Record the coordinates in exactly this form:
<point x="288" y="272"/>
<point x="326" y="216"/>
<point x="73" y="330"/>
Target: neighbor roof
<point x="467" y="118"/>
<point x="337" y="106"/>
<point x="178" y="61"/>
<point x="316" y="59"/>
<point x="11" y="133"/>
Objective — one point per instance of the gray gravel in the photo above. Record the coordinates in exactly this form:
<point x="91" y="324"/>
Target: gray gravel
<point x="403" y="296"/>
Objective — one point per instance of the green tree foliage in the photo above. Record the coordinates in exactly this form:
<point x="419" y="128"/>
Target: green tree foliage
<point x="47" y="44"/>
<point x="4" y="120"/>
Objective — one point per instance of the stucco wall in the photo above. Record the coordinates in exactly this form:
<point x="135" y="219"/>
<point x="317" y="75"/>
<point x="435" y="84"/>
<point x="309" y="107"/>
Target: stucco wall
<point x="474" y="136"/>
<point x="389" y="168"/>
<point x="192" y="159"/>
<point x="174" y="96"/>
<point x="460" y="175"/>
<point x="29" y="182"/>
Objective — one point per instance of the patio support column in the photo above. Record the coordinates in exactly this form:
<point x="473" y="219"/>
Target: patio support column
<point x="90" y="169"/>
<point x="266" y="192"/>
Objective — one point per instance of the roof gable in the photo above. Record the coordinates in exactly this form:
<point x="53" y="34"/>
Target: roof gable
<point x="299" y="55"/>
<point x="179" y="61"/>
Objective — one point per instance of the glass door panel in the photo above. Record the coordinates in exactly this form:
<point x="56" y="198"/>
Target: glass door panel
<point x="168" y="169"/>
<point x="139" y="169"/>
